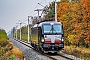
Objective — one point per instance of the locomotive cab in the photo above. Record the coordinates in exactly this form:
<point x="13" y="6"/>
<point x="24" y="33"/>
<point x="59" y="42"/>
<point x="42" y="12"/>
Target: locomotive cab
<point x="49" y="36"/>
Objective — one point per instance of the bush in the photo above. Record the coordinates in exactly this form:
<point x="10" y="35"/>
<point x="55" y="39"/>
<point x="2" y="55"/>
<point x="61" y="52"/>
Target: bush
<point x="3" y="43"/>
<point x="3" y="38"/>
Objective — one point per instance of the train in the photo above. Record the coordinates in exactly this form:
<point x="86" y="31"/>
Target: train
<point x="47" y="36"/>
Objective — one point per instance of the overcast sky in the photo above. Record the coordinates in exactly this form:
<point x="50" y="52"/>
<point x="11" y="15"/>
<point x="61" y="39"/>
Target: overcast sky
<point x="11" y="11"/>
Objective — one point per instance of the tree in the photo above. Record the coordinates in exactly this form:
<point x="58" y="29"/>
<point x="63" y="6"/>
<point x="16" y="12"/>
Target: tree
<point x="51" y="13"/>
<point x="86" y="18"/>
<point x="76" y="21"/>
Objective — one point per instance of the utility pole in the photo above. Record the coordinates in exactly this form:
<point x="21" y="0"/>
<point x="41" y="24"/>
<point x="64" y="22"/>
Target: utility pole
<point x="20" y="28"/>
<point x="16" y="32"/>
<point x="20" y="31"/>
<point x="29" y="29"/>
<point x="55" y="11"/>
<point x="12" y="33"/>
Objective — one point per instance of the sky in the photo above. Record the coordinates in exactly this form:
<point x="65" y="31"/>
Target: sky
<point x="14" y="11"/>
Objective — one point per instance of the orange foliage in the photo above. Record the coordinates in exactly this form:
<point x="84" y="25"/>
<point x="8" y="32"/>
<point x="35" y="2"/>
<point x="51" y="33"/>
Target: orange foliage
<point x="62" y="7"/>
<point x="86" y="4"/>
<point x="87" y="39"/>
<point x="76" y="20"/>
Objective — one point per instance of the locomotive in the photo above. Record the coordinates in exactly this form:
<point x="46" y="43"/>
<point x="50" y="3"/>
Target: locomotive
<point x="47" y="36"/>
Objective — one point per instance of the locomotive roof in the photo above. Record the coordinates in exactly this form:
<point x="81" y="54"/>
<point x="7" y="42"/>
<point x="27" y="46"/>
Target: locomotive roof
<point x="49" y="22"/>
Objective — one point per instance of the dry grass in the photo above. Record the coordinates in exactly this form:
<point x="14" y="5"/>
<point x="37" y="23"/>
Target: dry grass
<point x="81" y="52"/>
<point x="15" y="51"/>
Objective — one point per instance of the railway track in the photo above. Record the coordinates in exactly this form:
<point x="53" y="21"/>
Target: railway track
<point x="60" y="56"/>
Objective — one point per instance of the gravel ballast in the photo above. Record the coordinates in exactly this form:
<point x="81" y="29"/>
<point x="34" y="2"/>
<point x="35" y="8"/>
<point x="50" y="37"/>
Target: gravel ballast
<point x="29" y="54"/>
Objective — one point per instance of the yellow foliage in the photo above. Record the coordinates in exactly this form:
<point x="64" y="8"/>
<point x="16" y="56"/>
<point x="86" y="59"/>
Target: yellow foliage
<point x="71" y="38"/>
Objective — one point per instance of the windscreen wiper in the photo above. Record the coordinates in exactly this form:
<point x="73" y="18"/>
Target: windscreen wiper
<point x="55" y="31"/>
<point x="50" y="31"/>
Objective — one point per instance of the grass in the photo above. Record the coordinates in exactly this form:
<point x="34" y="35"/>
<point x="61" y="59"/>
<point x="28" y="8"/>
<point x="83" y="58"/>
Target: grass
<point x="7" y="50"/>
<point x="81" y="52"/>
<point x="10" y="52"/>
<point x="14" y="52"/>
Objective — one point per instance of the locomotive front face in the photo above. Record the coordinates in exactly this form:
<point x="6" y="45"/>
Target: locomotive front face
<point x="52" y="37"/>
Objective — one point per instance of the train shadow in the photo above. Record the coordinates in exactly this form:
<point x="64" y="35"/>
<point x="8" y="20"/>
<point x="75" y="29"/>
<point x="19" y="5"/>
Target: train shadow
<point x="52" y="54"/>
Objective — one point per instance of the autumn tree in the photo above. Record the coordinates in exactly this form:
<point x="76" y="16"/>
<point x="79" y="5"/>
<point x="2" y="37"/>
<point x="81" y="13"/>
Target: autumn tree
<point x="86" y="18"/>
<point x="75" y="18"/>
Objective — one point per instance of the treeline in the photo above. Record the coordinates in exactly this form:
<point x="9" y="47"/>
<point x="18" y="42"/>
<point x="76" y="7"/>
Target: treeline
<point x="75" y="17"/>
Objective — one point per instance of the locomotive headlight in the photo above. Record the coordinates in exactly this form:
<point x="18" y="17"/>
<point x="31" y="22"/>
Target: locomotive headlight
<point x="42" y="40"/>
<point x="62" y="40"/>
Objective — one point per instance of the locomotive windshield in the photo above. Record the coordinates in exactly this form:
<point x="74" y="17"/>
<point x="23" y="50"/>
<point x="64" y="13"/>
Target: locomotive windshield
<point x="53" y="28"/>
<point x="47" y="28"/>
<point x="57" y="29"/>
